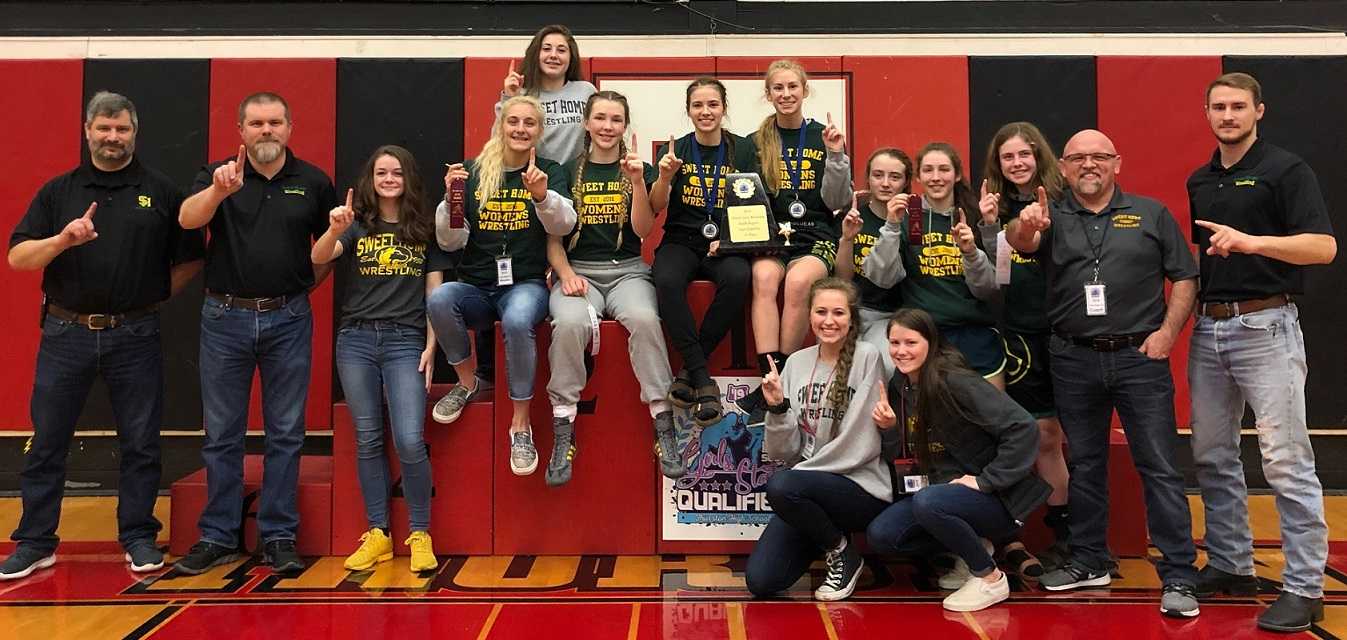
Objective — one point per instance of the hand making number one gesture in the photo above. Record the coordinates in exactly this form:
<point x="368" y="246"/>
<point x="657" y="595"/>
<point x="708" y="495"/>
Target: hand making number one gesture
<point x="851" y="224"/>
<point x="81" y="229"/>
<point x="1036" y="215"/>
<point x="963" y="234"/>
<point x="833" y="138"/>
<point x="631" y="163"/>
<point x="535" y="179"/>
<point x="989" y="205"/>
<point x="514" y="82"/>
<point x="669" y="164"/>
<point x="341" y="216"/>
<point x="883" y="413"/>
<point x="229" y="176"/>
<point x="771" y="385"/>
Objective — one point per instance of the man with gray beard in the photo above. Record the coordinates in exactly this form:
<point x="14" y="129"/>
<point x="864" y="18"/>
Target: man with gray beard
<point x="263" y="208"/>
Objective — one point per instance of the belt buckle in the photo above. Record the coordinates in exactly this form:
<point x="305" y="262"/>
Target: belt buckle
<point x="270" y="304"/>
<point x="1102" y="343"/>
<point x="98" y="321"/>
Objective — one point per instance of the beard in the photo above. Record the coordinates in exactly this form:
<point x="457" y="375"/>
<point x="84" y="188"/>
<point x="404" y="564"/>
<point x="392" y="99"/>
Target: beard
<point x="267" y="151"/>
<point x="1230" y="138"/>
<point x="107" y="151"/>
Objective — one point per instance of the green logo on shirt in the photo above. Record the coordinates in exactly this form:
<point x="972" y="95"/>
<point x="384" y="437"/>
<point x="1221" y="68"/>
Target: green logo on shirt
<point x="295" y="191"/>
<point x="1245" y="182"/>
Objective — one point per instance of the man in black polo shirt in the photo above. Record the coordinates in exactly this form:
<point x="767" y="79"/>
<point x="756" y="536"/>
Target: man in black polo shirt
<point x="106" y="236"/>
<point x="1257" y="217"/>
<point x="1107" y="255"/>
<point x="264" y="208"/>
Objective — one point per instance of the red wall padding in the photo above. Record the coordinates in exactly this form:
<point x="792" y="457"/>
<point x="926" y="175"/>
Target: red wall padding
<point x="1161" y="143"/>
<point x="310" y="88"/>
<point x="51" y="96"/>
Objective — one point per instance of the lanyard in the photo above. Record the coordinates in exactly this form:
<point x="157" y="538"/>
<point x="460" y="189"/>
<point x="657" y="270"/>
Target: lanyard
<point x="903" y="453"/>
<point x="1096" y="249"/>
<point x="797" y="174"/>
<point x="710" y="192"/>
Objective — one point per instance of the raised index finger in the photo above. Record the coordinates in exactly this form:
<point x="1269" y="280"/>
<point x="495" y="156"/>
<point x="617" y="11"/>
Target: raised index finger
<point x="853" y="199"/>
<point x="984" y="187"/>
<point x="771" y="366"/>
<point x="511" y="66"/>
<point x="89" y="213"/>
<point x="242" y="151"/>
<point x="533" y="158"/>
<point x="961" y="218"/>
<point x="1043" y="199"/>
<point x="1207" y="225"/>
<point x="349" y="193"/>
<point x="671" y="145"/>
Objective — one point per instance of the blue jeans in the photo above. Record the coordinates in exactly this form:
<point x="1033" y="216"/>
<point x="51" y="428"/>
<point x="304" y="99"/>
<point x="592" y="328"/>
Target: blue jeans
<point x="234" y="343"/>
<point x="813" y="510"/>
<point x="1088" y="386"/>
<point x="456" y="307"/>
<point x="1258" y="358"/>
<point x="374" y="358"/>
<point x="948" y="515"/>
<point x="69" y="358"/>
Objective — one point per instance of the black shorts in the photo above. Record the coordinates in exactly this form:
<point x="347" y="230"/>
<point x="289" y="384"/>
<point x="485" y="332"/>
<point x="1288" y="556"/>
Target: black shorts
<point x="980" y="346"/>
<point x="1028" y="378"/>
<point x="825" y="250"/>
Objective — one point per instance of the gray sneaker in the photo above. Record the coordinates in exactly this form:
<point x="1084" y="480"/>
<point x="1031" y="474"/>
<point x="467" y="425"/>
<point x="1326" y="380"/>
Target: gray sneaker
<point x="523" y="455"/>
<point x="1178" y="600"/>
<point x="563" y="452"/>
<point x="666" y="447"/>
<point x="25" y="560"/>
<point x="450" y="407"/>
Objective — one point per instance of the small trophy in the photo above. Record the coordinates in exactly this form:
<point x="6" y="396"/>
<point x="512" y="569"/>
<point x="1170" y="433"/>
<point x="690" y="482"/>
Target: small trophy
<point x="749" y="228"/>
<point x="785" y="231"/>
<point x="457" y="199"/>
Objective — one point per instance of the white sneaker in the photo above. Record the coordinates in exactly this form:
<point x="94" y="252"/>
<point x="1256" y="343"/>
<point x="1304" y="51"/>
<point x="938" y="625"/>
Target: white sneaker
<point x="960" y="574"/>
<point x="977" y="594"/>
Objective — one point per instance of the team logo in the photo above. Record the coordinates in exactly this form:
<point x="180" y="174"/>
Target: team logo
<point x="295" y="191"/>
<point x="143" y="201"/>
<point x="395" y="257"/>
<point x="743" y="187"/>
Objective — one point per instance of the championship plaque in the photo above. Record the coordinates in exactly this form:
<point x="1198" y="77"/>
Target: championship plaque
<point x="457" y="200"/>
<point x="750" y="227"/>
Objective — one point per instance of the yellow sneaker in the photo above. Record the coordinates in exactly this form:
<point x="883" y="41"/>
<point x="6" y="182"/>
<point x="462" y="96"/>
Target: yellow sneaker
<point x="375" y="547"/>
<point x="423" y="553"/>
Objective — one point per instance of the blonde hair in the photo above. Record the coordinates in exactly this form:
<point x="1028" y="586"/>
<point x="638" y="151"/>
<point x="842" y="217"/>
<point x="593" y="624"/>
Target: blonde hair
<point x="767" y="139"/>
<point x="490" y="163"/>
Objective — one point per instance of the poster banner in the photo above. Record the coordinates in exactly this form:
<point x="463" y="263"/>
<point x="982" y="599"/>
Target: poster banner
<point x="724" y="494"/>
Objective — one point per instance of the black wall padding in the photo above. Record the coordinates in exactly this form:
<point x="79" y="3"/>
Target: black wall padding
<point x="172" y="101"/>
<point x="1055" y="93"/>
<point x="417" y="104"/>
<point x="1306" y="98"/>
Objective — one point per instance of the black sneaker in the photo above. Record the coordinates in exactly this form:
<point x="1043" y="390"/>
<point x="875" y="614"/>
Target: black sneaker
<point x="204" y="555"/>
<point x="1074" y="576"/>
<point x="1178" y="600"/>
<point x="563" y="452"/>
<point x="143" y="556"/>
<point x="283" y="558"/>
<point x="1291" y="613"/>
<point x="1212" y="581"/>
<point x="844" y="570"/>
<point x="24" y="561"/>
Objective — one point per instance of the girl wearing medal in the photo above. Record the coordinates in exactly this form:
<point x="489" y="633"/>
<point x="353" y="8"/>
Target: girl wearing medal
<point x="550" y="72"/>
<point x="875" y="266"/>
<point x="1019" y="161"/>
<point x="385" y="238"/>
<point x="820" y="425"/>
<point x="969" y="450"/>
<point x="808" y="174"/>
<point x="598" y="271"/>
<point x="944" y="270"/>
<point x="687" y="167"/>
<point x="513" y="202"/>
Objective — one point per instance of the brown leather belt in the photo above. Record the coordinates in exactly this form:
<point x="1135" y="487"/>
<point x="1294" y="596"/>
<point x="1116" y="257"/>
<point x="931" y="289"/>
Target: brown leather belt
<point x="98" y="321"/>
<point x="1224" y="310"/>
<point x="251" y="304"/>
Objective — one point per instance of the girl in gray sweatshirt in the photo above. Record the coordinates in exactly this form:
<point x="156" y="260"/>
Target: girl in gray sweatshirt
<point x="820" y="425"/>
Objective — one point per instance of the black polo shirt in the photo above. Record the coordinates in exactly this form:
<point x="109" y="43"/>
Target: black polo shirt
<point x="260" y="236"/>
<point x="1140" y="245"/>
<point x="127" y="266"/>
<point x="1269" y="192"/>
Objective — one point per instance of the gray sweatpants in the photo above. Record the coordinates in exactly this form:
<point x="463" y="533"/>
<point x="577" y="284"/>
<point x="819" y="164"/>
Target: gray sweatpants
<point x="875" y="330"/>
<point x="622" y="291"/>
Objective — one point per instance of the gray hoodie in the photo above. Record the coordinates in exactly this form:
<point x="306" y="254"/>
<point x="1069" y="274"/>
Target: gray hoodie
<point x="806" y="438"/>
<point x="563" y="120"/>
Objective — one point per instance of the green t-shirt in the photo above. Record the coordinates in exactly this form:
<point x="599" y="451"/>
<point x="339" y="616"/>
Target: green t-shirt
<point x="935" y="280"/>
<point x="600" y="203"/>
<point x="873" y="296"/>
<point x="818" y="222"/>
<point x="687" y="203"/>
<point x="508" y="225"/>
<point x="1025" y="309"/>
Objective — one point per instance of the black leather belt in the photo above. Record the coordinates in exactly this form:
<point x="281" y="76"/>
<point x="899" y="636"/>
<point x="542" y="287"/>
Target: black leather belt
<point x="1106" y="343"/>
<point x="98" y="321"/>
<point x="251" y="304"/>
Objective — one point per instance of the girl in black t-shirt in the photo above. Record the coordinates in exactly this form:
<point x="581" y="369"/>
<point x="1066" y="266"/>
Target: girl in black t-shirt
<point x="807" y="173"/>
<point x="385" y="238"/>
<point x="599" y="271"/>
<point x="686" y="169"/>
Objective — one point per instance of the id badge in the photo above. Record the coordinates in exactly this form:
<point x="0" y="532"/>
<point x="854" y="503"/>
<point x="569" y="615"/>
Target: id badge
<point x="504" y="271"/>
<point x="913" y="484"/>
<point x="1095" y="303"/>
<point x="1003" y="252"/>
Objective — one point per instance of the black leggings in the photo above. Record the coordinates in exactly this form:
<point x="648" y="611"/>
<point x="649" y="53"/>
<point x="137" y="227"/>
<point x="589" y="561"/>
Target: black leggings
<point x="814" y="509"/>
<point x="675" y="266"/>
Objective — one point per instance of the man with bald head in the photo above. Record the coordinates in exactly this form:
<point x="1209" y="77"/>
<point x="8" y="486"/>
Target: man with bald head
<point x="1107" y="254"/>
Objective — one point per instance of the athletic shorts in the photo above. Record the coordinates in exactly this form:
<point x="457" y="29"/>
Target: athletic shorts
<point x="980" y="346"/>
<point x="1028" y="378"/>
<point x="825" y="250"/>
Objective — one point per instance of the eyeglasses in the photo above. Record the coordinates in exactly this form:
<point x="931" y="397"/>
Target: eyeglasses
<point x="1098" y="158"/>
